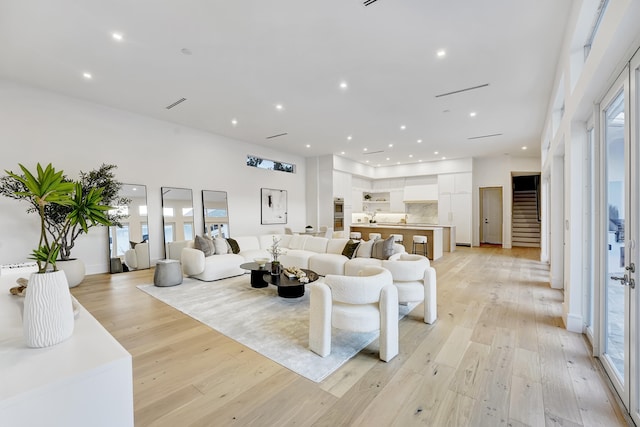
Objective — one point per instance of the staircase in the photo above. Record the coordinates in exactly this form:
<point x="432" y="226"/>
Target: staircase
<point x="525" y="227"/>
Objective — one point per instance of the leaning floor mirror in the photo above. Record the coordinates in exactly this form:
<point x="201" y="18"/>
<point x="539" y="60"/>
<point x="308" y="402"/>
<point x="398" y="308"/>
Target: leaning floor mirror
<point x="129" y="242"/>
<point x="215" y="213"/>
<point x="177" y="217"/>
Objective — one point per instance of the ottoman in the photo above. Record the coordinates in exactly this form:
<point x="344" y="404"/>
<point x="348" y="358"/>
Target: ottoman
<point x="168" y="273"/>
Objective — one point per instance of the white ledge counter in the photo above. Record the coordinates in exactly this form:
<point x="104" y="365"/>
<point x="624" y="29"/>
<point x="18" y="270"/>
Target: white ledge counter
<point x="436" y="243"/>
<point x="86" y="380"/>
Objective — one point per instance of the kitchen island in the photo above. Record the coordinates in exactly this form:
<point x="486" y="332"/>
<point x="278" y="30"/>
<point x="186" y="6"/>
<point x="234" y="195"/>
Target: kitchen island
<point x="437" y="242"/>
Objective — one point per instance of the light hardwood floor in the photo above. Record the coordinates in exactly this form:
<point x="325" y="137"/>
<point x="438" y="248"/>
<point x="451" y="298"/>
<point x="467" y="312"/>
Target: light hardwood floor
<point x="497" y="356"/>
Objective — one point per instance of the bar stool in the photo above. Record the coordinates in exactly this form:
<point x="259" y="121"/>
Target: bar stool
<point x="397" y="238"/>
<point x="355" y="235"/>
<point x="375" y="236"/>
<point x="420" y="240"/>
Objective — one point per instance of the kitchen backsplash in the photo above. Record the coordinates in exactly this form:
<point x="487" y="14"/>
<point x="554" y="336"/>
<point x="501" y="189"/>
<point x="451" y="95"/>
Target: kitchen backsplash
<point x="416" y="213"/>
<point x="424" y="213"/>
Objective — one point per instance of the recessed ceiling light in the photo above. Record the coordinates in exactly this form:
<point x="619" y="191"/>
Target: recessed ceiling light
<point x="410" y="155"/>
<point x="349" y="138"/>
<point x="117" y="36"/>
<point x="444" y="158"/>
<point x="135" y="188"/>
<point x="420" y="161"/>
<point x="366" y="161"/>
<point x="402" y="127"/>
<point x="419" y="141"/>
<point x="342" y="152"/>
<point x="390" y="145"/>
<point x="472" y="114"/>
<point x="87" y="76"/>
<point x="441" y="53"/>
<point x="388" y="158"/>
<point x="308" y="145"/>
<point x="234" y="122"/>
<point x="365" y="149"/>
<point x="524" y="148"/>
<point x="279" y="107"/>
<point x="343" y="85"/>
<point x="397" y="163"/>
<point x="378" y="164"/>
<point x="435" y="152"/>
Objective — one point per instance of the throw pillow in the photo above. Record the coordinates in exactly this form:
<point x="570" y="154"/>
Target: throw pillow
<point x="376" y="250"/>
<point x="364" y="250"/>
<point x="382" y="249"/>
<point x="387" y="247"/>
<point x="235" y="248"/>
<point x="350" y="249"/>
<point x="221" y="245"/>
<point x="204" y="244"/>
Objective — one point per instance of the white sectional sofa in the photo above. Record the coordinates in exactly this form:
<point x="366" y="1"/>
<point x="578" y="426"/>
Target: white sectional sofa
<point x="412" y="274"/>
<point x="322" y="255"/>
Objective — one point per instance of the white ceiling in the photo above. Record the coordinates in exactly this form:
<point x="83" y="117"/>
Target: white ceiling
<point x="249" y="55"/>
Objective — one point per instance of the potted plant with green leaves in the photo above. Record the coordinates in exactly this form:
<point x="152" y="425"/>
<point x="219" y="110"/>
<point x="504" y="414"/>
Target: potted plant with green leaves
<point x="48" y="313"/>
<point x="56" y="215"/>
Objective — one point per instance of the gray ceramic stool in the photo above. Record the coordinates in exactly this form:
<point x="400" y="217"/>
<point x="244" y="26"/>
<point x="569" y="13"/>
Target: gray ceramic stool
<point x="168" y="273"/>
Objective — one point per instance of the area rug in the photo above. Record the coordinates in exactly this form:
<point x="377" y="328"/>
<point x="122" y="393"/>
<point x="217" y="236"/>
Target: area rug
<point x="275" y="327"/>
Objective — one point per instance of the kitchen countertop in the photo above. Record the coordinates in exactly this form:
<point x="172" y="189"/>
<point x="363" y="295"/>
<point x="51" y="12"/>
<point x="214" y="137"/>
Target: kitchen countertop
<point x="400" y="225"/>
<point x="444" y="235"/>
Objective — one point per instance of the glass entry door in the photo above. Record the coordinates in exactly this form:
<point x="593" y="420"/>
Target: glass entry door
<point x="619" y="233"/>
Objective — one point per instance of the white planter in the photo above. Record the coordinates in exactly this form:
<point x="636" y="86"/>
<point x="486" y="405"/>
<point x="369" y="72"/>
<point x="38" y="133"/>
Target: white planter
<point x="73" y="269"/>
<point x="48" y="312"/>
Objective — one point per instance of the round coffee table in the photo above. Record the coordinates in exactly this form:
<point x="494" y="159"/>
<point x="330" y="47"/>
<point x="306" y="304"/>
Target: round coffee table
<point x="289" y="288"/>
<point x="257" y="273"/>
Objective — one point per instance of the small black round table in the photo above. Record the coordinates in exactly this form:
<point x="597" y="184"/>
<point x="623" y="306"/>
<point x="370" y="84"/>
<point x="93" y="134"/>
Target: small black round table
<point x="257" y="273"/>
<point x="289" y="287"/>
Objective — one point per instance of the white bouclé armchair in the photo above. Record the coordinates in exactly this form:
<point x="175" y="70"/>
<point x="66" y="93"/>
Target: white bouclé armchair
<point x="363" y="303"/>
<point x="416" y="281"/>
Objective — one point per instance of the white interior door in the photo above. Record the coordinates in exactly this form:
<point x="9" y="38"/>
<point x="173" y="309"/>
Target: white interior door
<point x="491" y="215"/>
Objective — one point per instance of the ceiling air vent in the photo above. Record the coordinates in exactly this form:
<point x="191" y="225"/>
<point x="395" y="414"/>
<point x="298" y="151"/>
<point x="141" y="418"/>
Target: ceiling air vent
<point x="462" y="90"/>
<point x="368" y="2"/>
<point x="179" y="101"/>
<point x="484" y="136"/>
<point x="373" y="152"/>
<point x="277" y="135"/>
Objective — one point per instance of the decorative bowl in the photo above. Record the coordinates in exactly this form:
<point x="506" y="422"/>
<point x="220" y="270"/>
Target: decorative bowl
<point x="261" y="261"/>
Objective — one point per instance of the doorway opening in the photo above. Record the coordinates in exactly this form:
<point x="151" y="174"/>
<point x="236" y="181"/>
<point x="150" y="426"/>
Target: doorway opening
<point x="525" y="219"/>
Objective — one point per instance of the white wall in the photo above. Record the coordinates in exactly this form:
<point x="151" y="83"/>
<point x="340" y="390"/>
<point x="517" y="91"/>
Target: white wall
<point x="496" y="172"/>
<point x="74" y="135"/>
<point x="581" y="84"/>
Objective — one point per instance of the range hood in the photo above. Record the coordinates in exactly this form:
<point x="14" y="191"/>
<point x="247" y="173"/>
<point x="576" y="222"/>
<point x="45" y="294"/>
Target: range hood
<point x="420" y="193"/>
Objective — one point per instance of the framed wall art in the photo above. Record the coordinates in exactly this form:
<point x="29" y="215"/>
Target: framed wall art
<point x="273" y="204"/>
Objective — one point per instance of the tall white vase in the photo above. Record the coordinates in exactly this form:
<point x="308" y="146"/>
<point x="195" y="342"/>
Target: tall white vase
<point x="48" y="312"/>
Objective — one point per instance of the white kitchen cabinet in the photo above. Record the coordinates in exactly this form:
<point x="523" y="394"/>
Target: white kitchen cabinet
<point x="356" y="201"/>
<point x="446" y="184"/>
<point x="420" y="192"/>
<point x="455" y="204"/>
<point x="461" y="210"/>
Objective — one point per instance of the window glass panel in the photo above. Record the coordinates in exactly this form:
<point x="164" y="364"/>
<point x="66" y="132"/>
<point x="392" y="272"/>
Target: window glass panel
<point x="258" y="162"/>
<point x="168" y="233"/>
<point x="188" y="230"/>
